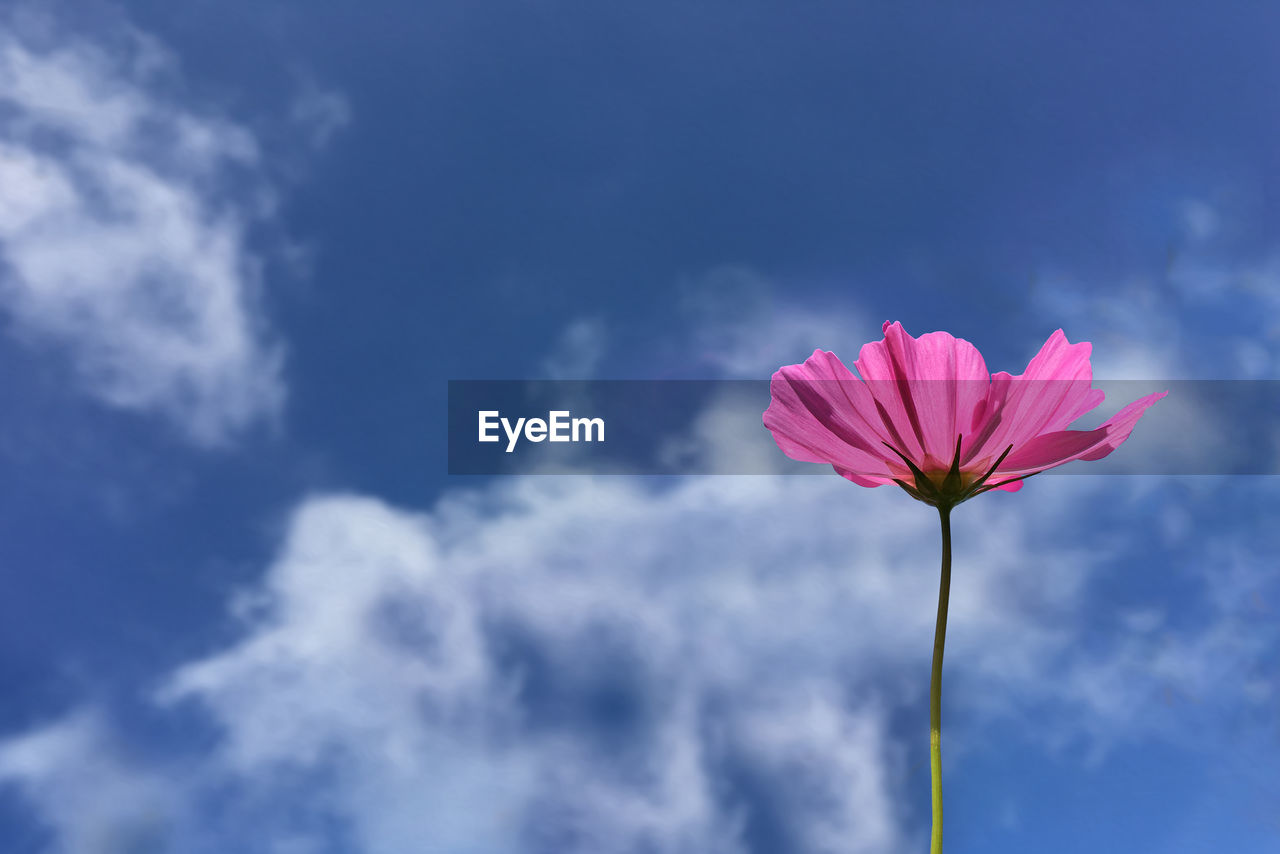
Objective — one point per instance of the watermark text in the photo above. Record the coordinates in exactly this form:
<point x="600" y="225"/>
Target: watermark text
<point x="558" y="426"/>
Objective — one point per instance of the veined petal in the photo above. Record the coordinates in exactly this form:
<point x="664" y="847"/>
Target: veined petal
<point x="1054" y="449"/>
<point x="928" y="389"/>
<point x="1055" y="390"/>
<point x="986" y="419"/>
<point x="815" y="416"/>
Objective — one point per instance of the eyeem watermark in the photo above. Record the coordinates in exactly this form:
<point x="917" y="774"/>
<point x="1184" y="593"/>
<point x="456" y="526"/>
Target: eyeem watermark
<point x="661" y="427"/>
<point x="557" y="427"/>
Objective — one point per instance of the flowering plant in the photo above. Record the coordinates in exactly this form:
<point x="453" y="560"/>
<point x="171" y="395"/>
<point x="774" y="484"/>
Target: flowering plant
<point x="925" y="414"/>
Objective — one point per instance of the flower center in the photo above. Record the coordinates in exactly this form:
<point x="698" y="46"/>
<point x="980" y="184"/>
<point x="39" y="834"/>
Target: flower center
<point x="949" y="486"/>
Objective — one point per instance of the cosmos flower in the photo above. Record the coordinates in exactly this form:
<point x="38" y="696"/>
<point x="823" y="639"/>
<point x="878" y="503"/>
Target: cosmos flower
<point x="927" y="416"/>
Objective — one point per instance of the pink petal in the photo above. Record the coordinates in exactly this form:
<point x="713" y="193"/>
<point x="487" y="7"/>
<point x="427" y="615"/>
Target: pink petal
<point x="1055" y="390"/>
<point x="862" y="480"/>
<point x="927" y="390"/>
<point x="817" y="414"/>
<point x="1053" y="449"/>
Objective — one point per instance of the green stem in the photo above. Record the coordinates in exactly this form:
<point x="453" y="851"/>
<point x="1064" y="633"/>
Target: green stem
<point x="935" y="682"/>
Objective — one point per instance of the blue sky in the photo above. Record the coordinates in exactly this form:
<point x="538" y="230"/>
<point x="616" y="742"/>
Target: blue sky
<point x="243" y="246"/>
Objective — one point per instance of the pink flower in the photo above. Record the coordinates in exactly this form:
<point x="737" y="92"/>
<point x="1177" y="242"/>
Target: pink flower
<point x="927" y="416"/>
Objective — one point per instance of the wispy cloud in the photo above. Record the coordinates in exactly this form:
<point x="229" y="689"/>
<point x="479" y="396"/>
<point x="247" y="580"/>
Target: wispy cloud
<point x="96" y="798"/>
<point x="741" y="325"/>
<point x="708" y="666"/>
<point x="578" y="351"/>
<point x="1209" y="313"/>
<point x="320" y="112"/>
<point x="125" y="214"/>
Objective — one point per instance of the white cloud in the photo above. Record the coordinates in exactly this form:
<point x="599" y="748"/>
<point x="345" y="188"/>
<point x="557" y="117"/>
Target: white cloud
<point x="96" y="799"/>
<point x="538" y="661"/>
<point x="320" y="112"/>
<point x="497" y="628"/>
<point x="696" y="667"/>
<point x="1200" y="220"/>
<point x="1210" y="315"/>
<point x="578" y="351"/>
<point x="741" y="328"/>
<point x="124" y="215"/>
<point x="726" y="437"/>
<point x="842" y="771"/>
